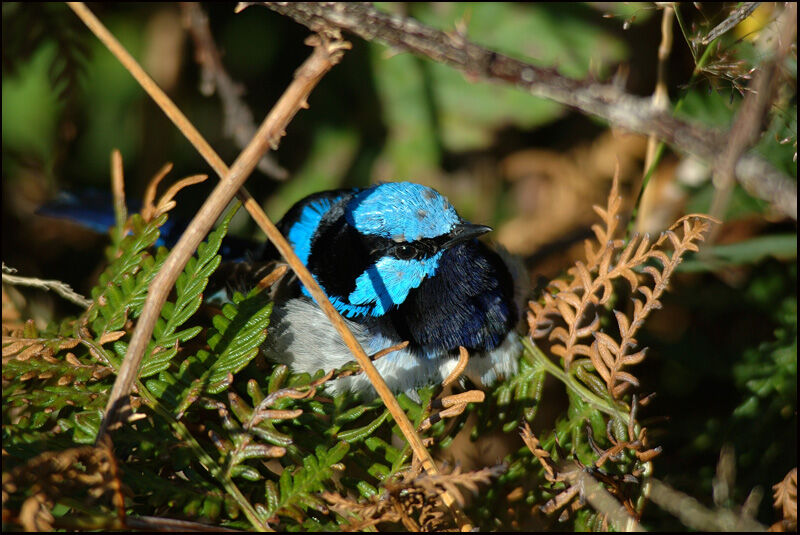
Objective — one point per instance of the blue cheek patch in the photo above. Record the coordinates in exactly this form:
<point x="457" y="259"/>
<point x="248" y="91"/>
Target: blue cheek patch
<point x="301" y="232"/>
<point x="388" y="282"/>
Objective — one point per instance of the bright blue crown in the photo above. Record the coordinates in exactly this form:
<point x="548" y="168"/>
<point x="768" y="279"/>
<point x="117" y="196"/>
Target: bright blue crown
<point x="401" y="211"/>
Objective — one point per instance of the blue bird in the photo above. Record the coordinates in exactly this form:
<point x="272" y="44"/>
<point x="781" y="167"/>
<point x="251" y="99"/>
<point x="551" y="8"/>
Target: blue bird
<point x="396" y="261"/>
<point x="399" y="264"/>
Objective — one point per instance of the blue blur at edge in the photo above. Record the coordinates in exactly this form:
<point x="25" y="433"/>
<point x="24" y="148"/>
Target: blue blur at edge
<point x="93" y="209"/>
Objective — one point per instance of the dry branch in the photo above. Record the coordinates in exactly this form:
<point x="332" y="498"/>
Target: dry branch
<point x="61" y="288"/>
<point x="324" y="56"/>
<point x="695" y="515"/>
<point x="603" y="502"/>
<point x="608" y="102"/>
<point x="580" y="483"/>
<point x="238" y="119"/>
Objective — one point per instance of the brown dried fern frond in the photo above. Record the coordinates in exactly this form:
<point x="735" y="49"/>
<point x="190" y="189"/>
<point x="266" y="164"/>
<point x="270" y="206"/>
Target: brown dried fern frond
<point x="150" y="209"/>
<point x="785" y="496"/>
<point x="583" y="484"/>
<point x="55" y="475"/>
<point x="542" y="455"/>
<point x="412" y="498"/>
<point x="590" y="285"/>
<point x="26" y="356"/>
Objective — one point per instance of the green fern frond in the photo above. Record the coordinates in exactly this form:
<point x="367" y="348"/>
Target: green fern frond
<point x="122" y="287"/>
<point x="189" y="296"/>
<point x="292" y="496"/>
<point x="236" y="336"/>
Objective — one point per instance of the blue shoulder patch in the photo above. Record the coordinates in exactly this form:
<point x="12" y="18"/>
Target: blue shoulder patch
<point x="301" y="232"/>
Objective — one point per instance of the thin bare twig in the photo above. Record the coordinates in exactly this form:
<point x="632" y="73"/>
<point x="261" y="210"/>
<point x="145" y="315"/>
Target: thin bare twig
<point x="238" y="119"/>
<point x="660" y="95"/>
<point x="737" y="16"/>
<point x="272" y="277"/>
<point x="661" y="102"/>
<point x="325" y="55"/>
<point x="348" y="370"/>
<point x="293" y="99"/>
<point x="608" y="102"/>
<point x="118" y="188"/>
<point x="61" y="288"/>
<point x="387" y="350"/>
<point x="695" y="515"/>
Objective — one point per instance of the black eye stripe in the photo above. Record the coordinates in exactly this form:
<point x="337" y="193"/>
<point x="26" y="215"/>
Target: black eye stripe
<point x="405" y="251"/>
<point x="419" y="249"/>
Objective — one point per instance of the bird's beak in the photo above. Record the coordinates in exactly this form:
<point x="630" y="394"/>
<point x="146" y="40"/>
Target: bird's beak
<point x="465" y="231"/>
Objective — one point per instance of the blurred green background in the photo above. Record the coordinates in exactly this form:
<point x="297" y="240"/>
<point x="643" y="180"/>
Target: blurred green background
<point x="723" y="358"/>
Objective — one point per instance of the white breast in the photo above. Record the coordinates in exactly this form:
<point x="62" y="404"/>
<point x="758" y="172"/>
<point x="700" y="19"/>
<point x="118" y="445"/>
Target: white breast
<point x="300" y="336"/>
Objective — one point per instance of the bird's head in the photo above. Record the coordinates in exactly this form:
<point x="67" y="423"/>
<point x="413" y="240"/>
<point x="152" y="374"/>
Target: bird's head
<point x="370" y="252"/>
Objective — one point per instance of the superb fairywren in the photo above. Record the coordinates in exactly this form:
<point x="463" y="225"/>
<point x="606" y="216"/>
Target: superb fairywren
<point x="398" y="263"/>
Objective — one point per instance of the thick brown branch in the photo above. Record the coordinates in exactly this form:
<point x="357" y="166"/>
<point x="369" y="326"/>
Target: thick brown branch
<point x="606" y="101"/>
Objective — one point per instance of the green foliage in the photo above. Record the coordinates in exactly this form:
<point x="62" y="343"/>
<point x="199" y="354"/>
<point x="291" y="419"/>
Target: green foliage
<point x="233" y="342"/>
<point x="122" y="287"/>
<point x="515" y="400"/>
<point x="45" y="54"/>
<point x="768" y="373"/>
<point x="189" y="384"/>
<point x="293" y="494"/>
<point x="66" y="378"/>
<point x="189" y="287"/>
<point x="221" y="436"/>
<point x="430" y="108"/>
<point x="78" y="382"/>
<point x="225" y="437"/>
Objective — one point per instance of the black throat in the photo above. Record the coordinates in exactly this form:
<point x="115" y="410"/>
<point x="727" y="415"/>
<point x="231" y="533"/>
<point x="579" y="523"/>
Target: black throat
<point x="469" y="302"/>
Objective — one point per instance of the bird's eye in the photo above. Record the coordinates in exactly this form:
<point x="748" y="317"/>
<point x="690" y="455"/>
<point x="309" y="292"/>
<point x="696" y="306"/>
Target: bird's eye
<point x="405" y="252"/>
